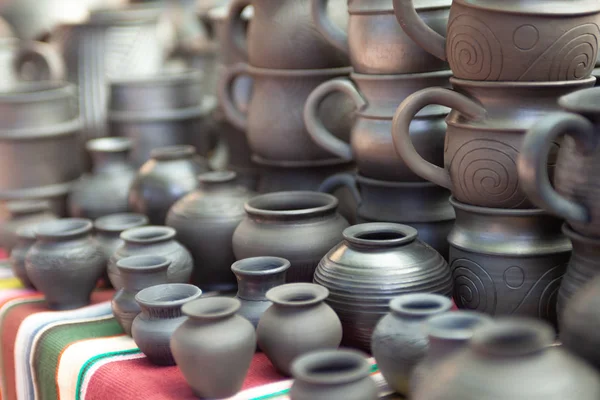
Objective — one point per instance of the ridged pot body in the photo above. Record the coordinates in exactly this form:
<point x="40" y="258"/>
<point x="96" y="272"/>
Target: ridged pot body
<point x="11" y="220"/>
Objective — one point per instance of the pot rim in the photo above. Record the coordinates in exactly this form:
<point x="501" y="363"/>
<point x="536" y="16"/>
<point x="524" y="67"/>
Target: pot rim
<point x="575" y="84"/>
<point x="147" y="297"/>
<point x="259" y="266"/>
<point x="327" y="162"/>
<point x="305" y="367"/>
<point x="148" y="234"/>
<point x="27" y="206"/>
<point x="398" y="234"/>
<point x="132" y="13"/>
<point x="420" y="305"/>
<point x="393" y="184"/>
<point x="296" y="73"/>
<point x="64" y="228"/>
<point x="169" y="153"/>
<point x="120" y="221"/>
<point x="297" y="294"/>
<point x="27" y="232"/>
<point x="496" y="211"/>
<point x="578" y="7"/>
<point x="445" y="73"/>
<point x="113" y="144"/>
<point x="164" y="78"/>
<point x="217" y="177"/>
<point x="456" y="325"/>
<point x="143" y="264"/>
<point x="578" y="237"/>
<point x="39" y="91"/>
<point x="211" y="308"/>
<point x="271" y="204"/>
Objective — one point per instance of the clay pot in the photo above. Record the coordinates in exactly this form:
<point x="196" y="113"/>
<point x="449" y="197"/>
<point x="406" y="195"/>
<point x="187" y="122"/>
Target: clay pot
<point x="17" y="214"/>
<point x="286" y="330"/>
<point x="170" y="174"/>
<point x="376" y="98"/>
<point x="25" y="239"/>
<point x="109" y="228"/>
<point x="155" y="241"/>
<point x="205" y="221"/>
<point x="65" y="262"/>
<point x="105" y="190"/>
<point x="497" y="359"/>
<point x="255" y="277"/>
<point x="373" y="264"/>
<point x="507" y="262"/>
<point x="332" y="374"/>
<point x="484" y="137"/>
<point x="511" y="41"/>
<point x="298" y="226"/>
<point x="214" y="347"/>
<point x="160" y="315"/>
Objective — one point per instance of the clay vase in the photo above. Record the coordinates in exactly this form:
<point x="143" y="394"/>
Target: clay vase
<point x="160" y="315"/>
<point x="214" y="347"/>
<point x="20" y="213"/>
<point x="156" y="241"/>
<point x="65" y="262"/>
<point x="498" y="358"/>
<point x="298" y="226"/>
<point x="109" y="228"/>
<point x="105" y="190"/>
<point x="286" y="330"/>
<point x="332" y="374"/>
<point x="511" y="41"/>
<point x="375" y="263"/>
<point x="399" y="341"/>
<point x="484" y="138"/>
<point x="255" y="277"/>
<point x="25" y="239"/>
<point x="205" y="220"/>
<point x="170" y="174"/>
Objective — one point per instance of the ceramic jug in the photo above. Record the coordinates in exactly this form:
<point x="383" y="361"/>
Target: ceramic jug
<point x="512" y="40"/>
<point x="375" y="42"/>
<point x="376" y="98"/>
<point x="484" y="136"/>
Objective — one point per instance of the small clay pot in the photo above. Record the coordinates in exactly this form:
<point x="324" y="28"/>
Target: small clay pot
<point x="109" y="228"/>
<point x="25" y="239"/>
<point x="161" y="315"/>
<point x="286" y="330"/>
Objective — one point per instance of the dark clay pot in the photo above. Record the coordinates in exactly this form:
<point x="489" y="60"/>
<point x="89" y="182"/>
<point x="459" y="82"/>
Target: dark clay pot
<point x="298" y="226"/>
<point x="160" y="315"/>
<point x="109" y="228"/>
<point x="25" y="239"/>
<point x="105" y="190"/>
<point x="332" y="374"/>
<point x="65" y="262"/>
<point x="373" y="264"/>
<point x="205" y="221"/>
<point x="255" y="277"/>
<point x="156" y="241"/>
<point x="137" y="273"/>
<point x="287" y="329"/>
<point x="399" y="341"/>
<point x="214" y="347"/>
<point x="170" y="174"/>
<point x="20" y="213"/>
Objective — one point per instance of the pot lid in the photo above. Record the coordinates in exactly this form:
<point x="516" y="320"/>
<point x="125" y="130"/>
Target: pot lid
<point x="538" y="7"/>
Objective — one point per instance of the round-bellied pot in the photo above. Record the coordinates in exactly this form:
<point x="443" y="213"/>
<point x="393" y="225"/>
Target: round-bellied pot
<point x="205" y="221"/>
<point x="160" y="315"/>
<point x="375" y="263"/>
<point x="498" y="358"/>
<point x="214" y="347"/>
<point x="20" y="213"/>
<point x="332" y="374"/>
<point x="65" y="262"/>
<point x="109" y="228"/>
<point x="25" y="239"/>
<point x="298" y="226"/>
<point x="287" y="329"/>
<point x="152" y="240"/>
<point x="399" y="341"/>
<point x="255" y="277"/>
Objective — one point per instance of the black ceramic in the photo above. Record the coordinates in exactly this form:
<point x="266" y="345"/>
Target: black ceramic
<point x="160" y="315"/>
<point x="255" y="277"/>
<point x="25" y="239"/>
<point x="65" y="262"/>
<point x="20" y="213"/>
<point x="373" y="264"/>
<point x="109" y="228"/>
<point x="205" y="221"/>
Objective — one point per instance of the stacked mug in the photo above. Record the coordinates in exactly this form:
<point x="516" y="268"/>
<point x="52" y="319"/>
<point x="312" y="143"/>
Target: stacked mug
<point x="510" y="61"/>
<point x="388" y="66"/>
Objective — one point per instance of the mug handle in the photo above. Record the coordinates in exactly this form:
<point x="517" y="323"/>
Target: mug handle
<point x="428" y="39"/>
<point x="533" y="161"/>
<point x="333" y="34"/>
<point x="407" y="111"/>
<point x="337" y="181"/>
<point x="47" y="62"/>
<point x="225" y="89"/>
<point x="235" y="29"/>
<point x="317" y="131"/>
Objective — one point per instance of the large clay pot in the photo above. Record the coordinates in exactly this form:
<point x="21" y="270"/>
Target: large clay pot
<point x="65" y="262"/>
<point x="498" y="358"/>
<point x="484" y="136"/>
<point x="17" y="214"/>
<point x="25" y="239"/>
<point x="205" y="221"/>
<point x="373" y="264"/>
<point x="298" y="226"/>
<point x="109" y="228"/>
<point x="511" y="41"/>
<point x="376" y="98"/>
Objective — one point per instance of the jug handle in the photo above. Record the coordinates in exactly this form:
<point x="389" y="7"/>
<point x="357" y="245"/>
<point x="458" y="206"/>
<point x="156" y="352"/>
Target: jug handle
<point x="235" y="29"/>
<point x="47" y="62"/>
<point x="412" y="24"/>
<point x="407" y="111"/>
<point x="337" y="181"/>
<point x="317" y="131"/>
<point x="333" y="34"/>
<point x="225" y="89"/>
<point x="533" y="161"/>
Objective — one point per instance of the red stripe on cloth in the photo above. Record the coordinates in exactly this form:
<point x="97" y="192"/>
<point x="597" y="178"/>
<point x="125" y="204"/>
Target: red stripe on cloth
<point x="3" y="254"/>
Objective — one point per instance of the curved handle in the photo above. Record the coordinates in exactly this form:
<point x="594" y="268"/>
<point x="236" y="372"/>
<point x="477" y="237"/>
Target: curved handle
<point x="337" y="181"/>
<point x="407" y="111"/>
<point x="235" y="29"/>
<point x="317" y="131"/>
<point x="332" y="33"/>
<point x="225" y="94"/>
<point x="533" y="161"/>
<point x="36" y="61"/>
<point x="429" y="40"/>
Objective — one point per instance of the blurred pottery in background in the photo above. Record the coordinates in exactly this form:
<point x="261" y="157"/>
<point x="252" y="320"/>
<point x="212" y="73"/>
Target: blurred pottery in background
<point x="15" y="215"/>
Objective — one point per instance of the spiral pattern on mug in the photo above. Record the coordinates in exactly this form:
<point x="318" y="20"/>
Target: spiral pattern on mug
<point x="473" y="287"/>
<point x="473" y="50"/>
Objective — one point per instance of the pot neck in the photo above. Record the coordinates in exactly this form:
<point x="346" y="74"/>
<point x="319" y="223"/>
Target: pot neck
<point x="211" y="310"/>
<point x="419" y="306"/>
<point x="109" y="153"/>
<point x="65" y="229"/>
<point x="148" y="235"/>
<point x="140" y="272"/>
<point x="23" y="208"/>
<point x="379" y="236"/>
<point x="173" y="153"/>
<point x="257" y="275"/>
<point x="217" y="181"/>
<point x="297" y="295"/>
<point x="165" y="301"/>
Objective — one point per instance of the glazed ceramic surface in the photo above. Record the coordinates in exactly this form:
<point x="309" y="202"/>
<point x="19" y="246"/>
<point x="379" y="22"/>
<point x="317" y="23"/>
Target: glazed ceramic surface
<point x="18" y="214"/>
<point x="25" y="239"/>
<point x="109" y="228"/>
<point x="484" y="136"/>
